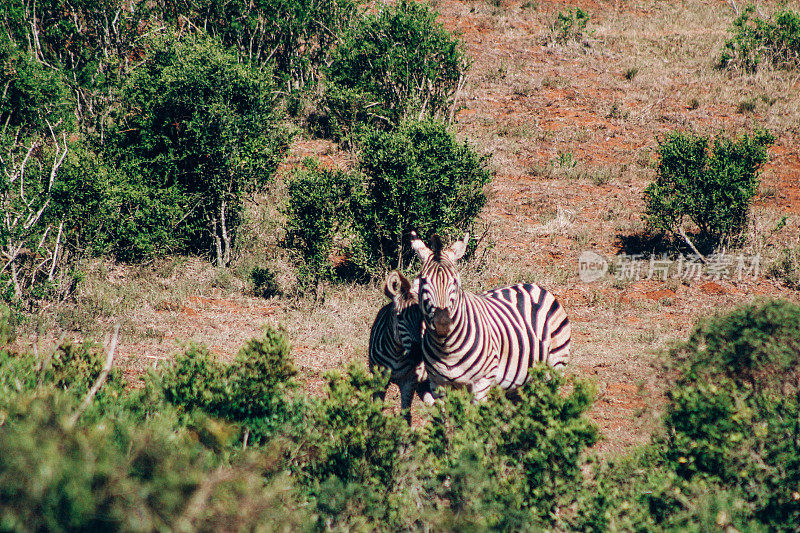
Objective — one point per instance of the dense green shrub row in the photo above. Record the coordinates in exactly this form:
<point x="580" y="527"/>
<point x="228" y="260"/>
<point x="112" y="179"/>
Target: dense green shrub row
<point x="201" y="434"/>
<point x="204" y="441"/>
<point x="138" y="129"/>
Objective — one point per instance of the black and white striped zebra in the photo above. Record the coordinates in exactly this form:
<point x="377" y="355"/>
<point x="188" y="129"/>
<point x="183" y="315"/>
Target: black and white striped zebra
<point x="481" y="340"/>
<point x="395" y="342"/>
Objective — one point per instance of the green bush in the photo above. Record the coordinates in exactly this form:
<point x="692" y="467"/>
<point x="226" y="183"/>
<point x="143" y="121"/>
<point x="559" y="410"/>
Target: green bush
<point x="198" y="132"/>
<point x="713" y="190"/>
<point x="728" y="455"/>
<point x="251" y="391"/>
<point x="351" y="456"/>
<point x="419" y="177"/>
<point x="734" y="414"/>
<point x="324" y="210"/>
<point x="122" y="475"/>
<point x="86" y="198"/>
<point x="296" y="36"/>
<point x="416" y="177"/>
<point x="72" y="368"/>
<point x="265" y="283"/>
<point x="504" y="464"/>
<point x="34" y="94"/>
<point x="396" y="64"/>
<point x="641" y="492"/>
<point x="569" y="25"/>
<point x="756" y="41"/>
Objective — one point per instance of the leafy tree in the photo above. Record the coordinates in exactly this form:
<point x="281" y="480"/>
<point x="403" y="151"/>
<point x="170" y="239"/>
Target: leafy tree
<point x="35" y="114"/>
<point x="199" y="132"/>
<point x="416" y="177"/>
<point x="291" y="37"/>
<point x="713" y="190"/>
<point x="397" y="64"/>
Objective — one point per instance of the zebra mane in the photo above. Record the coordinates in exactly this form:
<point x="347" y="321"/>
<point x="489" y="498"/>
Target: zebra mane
<point x="436" y="246"/>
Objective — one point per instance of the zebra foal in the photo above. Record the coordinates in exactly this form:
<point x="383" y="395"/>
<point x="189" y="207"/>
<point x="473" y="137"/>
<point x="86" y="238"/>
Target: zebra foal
<point x="395" y="342"/>
<point x="481" y="340"/>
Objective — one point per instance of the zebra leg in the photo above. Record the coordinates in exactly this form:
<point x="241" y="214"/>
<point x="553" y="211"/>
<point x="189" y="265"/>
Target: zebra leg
<point x="407" y="389"/>
<point x="379" y="396"/>
<point x="432" y="394"/>
<point x="480" y="389"/>
<point x="424" y="392"/>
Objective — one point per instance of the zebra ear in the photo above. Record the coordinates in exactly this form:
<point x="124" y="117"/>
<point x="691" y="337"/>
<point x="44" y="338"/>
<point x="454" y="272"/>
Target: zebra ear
<point x="393" y="284"/>
<point x="459" y="248"/>
<point x="396" y="285"/>
<point x="423" y="252"/>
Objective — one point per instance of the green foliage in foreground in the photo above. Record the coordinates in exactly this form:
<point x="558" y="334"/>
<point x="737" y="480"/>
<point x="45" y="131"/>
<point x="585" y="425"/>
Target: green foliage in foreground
<point x="712" y="188"/>
<point x="170" y="455"/>
<point x="251" y="391"/>
<point x="729" y="454"/>
<point x="509" y="464"/>
<point x="757" y="41"/>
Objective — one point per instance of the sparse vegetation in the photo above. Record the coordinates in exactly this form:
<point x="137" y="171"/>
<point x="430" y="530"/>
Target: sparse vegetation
<point x="631" y="73"/>
<point x="569" y="25"/>
<point x="786" y="267"/>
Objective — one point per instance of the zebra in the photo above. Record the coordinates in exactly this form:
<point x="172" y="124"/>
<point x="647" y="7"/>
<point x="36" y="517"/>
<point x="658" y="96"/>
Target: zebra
<point x="481" y="340"/>
<point x="395" y="342"/>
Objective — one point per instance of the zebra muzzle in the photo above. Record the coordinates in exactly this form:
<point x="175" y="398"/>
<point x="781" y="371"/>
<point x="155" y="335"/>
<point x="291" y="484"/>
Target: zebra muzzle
<point x="442" y="323"/>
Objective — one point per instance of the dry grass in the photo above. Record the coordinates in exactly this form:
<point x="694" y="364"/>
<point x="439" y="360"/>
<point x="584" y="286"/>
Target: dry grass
<point x="647" y="69"/>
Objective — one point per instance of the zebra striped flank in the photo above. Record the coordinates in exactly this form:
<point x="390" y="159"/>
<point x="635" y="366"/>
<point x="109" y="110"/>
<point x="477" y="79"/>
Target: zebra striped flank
<point x="481" y="340"/>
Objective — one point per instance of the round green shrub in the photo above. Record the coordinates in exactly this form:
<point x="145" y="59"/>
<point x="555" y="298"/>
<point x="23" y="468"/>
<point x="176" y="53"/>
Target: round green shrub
<point x="713" y="188"/>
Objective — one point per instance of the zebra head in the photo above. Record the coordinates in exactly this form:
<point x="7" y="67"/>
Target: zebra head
<point x="440" y="281"/>
<point x="407" y="320"/>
